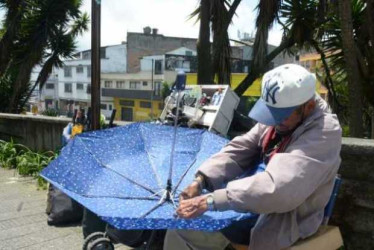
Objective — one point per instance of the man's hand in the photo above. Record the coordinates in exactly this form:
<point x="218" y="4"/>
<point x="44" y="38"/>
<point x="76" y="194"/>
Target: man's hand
<point x="192" y="208"/>
<point x="191" y="191"/>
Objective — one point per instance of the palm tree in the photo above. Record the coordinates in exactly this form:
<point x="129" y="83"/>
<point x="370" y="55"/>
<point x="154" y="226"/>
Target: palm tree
<point x="303" y="20"/>
<point x="219" y="13"/>
<point x="351" y="60"/>
<point x="39" y="37"/>
<point x="204" y="60"/>
<point x="62" y="45"/>
<point x="12" y="25"/>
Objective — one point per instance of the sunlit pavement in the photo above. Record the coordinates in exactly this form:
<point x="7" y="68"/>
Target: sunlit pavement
<point x="23" y="221"/>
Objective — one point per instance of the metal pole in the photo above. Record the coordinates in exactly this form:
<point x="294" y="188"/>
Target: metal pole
<point x="95" y="64"/>
<point x="152" y="89"/>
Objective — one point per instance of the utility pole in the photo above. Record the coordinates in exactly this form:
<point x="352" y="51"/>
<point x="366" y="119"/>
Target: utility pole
<point x="95" y="64"/>
<point x="152" y="89"/>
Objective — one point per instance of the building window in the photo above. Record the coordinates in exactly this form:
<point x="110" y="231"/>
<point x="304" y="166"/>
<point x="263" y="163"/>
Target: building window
<point x="50" y="86"/>
<point x="120" y="84"/>
<point x="103" y="106"/>
<point x="103" y="53"/>
<point x="79" y="69"/>
<point x="110" y="107"/>
<point x="68" y="88"/>
<point x="86" y="55"/>
<point x="160" y="106"/>
<point x="157" y="88"/>
<point x="88" y="71"/>
<point x="188" y="53"/>
<point x="158" y="67"/>
<point x="145" y="83"/>
<point x="88" y="88"/>
<point x="108" y="84"/>
<point x="67" y="71"/>
<point x="126" y="103"/>
<point x="134" y="85"/>
<point x="145" y="104"/>
<point x="79" y="86"/>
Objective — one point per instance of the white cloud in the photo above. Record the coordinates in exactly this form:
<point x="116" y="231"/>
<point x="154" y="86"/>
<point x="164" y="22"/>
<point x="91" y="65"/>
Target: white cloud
<point x="170" y="17"/>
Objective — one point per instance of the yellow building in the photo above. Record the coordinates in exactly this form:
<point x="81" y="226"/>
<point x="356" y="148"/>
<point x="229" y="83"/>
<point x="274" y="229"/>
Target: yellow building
<point x="136" y="97"/>
<point x="134" y="109"/>
<point x="236" y="79"/>
<point x="255" y="88"/>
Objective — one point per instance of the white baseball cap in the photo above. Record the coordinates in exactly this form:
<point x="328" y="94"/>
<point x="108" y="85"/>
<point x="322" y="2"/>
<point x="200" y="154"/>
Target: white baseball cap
<point x="283" y="90"/>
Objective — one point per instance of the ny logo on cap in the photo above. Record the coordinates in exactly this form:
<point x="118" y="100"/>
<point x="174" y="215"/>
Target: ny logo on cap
<point x="269" y="91"/>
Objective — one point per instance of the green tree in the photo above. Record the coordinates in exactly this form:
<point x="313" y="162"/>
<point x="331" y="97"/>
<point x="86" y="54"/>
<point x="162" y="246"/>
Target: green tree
<point x="214" y="60"/>
<point x="348" y="40"/>
<point x="37" y="32"/>
<point x="302" y="21"/>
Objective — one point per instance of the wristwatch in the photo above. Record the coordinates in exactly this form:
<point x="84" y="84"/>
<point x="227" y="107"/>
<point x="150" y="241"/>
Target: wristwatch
<point x="210" y="202"/>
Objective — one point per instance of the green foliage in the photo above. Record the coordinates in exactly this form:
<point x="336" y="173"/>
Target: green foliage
<point x="36" y="32"/>
<point x="50" y="112"/>
<point x="249" y="102"/>
<point x="8" y="154"/>
<point x="31" y="163"/>
<point x="345" y="131"/>
<point x="165" y="91"/>
<point x="27" y="162"/>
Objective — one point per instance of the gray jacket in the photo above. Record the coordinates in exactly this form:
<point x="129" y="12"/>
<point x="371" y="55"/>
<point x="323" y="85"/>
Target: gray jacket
<point x="296" y="186"/>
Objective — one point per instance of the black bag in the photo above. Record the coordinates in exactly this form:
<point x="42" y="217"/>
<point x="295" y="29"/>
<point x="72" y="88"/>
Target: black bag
<point x="91" y="223"/>
<point x="61" y="209"/>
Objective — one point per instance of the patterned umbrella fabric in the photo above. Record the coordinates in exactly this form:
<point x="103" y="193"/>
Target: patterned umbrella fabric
<point x="121" y="174"/>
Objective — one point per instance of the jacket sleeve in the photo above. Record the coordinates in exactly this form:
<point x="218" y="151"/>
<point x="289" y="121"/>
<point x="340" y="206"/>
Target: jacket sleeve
<point x="290" y="177"/>
<point x="233" y="159"/>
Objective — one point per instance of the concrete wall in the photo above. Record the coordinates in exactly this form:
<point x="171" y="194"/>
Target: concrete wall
<point x="140" y="45"/>
<point x="354" y="209"/>
<point x="39" y="133"/>
<point x="36" y="132"/>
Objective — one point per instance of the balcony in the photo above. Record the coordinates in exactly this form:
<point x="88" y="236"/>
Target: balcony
<point x="130" y="94"/>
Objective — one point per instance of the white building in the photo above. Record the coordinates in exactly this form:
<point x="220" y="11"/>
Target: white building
<point x="48" y="96"/>
<point x="75" y="77"/>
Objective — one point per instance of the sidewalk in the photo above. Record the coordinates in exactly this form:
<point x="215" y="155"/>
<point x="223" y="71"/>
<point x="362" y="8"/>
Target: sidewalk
<point x="23" y="221"/>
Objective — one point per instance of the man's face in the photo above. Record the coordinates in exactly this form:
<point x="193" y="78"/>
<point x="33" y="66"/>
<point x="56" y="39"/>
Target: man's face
<point x="292" y="121"/>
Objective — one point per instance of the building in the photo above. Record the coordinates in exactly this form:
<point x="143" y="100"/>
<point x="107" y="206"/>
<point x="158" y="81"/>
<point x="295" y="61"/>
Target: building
<point x="75" y="78"/>
<point x="47" y="97"/>
<point x="137" y="96"/>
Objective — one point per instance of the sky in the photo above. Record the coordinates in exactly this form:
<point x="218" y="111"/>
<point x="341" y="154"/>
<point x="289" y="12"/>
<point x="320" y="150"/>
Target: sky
<point x="170" y="17"/>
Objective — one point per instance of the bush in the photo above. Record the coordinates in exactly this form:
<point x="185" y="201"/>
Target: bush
<point x="8" y="154"/>
<point x="50" y="112"/>
<point x="27" y="162"/>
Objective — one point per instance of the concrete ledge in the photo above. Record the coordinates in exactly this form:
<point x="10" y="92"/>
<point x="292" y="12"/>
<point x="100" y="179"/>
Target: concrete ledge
<point x="37" y="118"/>
<point x="37" y="132"/>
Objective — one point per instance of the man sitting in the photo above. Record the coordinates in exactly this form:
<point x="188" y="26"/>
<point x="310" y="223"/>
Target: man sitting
<point x="299" y="140"/>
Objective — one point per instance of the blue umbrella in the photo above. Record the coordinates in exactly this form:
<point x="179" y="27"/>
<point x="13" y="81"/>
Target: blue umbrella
<point x="131" y="176"/>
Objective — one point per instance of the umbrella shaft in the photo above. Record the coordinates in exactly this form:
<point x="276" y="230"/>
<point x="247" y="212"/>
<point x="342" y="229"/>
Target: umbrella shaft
<point x="169" y="183"/>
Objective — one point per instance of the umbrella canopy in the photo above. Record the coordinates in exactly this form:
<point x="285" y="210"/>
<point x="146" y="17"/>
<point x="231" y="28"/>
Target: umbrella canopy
<point x="123" y="175"/>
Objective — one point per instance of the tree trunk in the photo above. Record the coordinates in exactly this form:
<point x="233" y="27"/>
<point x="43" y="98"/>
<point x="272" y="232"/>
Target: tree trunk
<point x="12" y="25"/>
<point x="372" y="125"/>
<point x="204" y="61"/>
<point x="355" y="108"/>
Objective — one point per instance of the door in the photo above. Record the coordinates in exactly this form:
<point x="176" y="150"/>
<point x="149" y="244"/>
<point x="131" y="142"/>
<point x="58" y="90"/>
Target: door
<point x="126" y="114"/>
